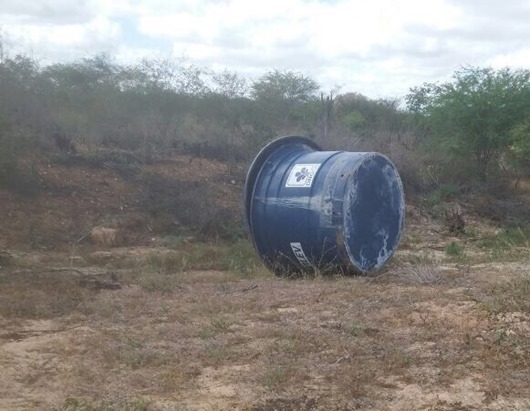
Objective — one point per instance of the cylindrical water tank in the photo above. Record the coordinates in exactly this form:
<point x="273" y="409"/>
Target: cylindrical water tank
<point x="309" y="209"/>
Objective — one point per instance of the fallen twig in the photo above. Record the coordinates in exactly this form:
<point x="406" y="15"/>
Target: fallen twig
<point x="346" y="357"/>
<point x="14" y="335"/>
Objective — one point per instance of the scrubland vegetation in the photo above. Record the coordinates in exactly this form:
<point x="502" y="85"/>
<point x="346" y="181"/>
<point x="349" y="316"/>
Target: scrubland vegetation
<point x="127" y="281"/>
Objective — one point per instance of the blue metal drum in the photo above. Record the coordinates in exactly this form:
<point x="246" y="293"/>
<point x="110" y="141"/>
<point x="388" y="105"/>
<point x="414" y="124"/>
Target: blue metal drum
<point x="308" y="209"/>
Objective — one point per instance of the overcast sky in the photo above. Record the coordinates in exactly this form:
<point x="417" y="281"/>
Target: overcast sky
<point x="379" y="48"/>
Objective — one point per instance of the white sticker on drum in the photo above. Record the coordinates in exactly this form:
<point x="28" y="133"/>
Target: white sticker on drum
<point x="302" y="175"/>
<point x="300" y="255"/>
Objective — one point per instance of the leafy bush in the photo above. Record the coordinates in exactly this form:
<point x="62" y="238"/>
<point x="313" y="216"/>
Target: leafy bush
<point x="454" y="250"/>
<point x="471" y="117"/>
<point x="446" y="192"/>
<point x="507" y="237"/>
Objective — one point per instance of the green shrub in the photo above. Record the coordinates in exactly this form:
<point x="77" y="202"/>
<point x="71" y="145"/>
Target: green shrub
<point x="241" y="258"/>
<point x="454" y="250"/>
<point x="445" y="192"/>
<point x="506" y="238"/>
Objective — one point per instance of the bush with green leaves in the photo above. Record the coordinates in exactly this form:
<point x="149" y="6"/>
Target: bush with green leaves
<point x="519" y="150"/>
<point x="470" y="118"/>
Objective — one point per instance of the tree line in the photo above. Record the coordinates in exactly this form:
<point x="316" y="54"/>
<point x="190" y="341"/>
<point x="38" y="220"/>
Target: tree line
<point x="475" y="126"/>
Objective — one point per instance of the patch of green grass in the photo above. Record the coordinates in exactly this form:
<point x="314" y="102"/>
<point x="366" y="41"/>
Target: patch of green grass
<point x="415" y="239"/>
<point x="214" y="256"/>
<point x="505" y="254"/>
<point x="217" y="326"/>
<point x="513" y="344"/>
<point x="445" y="192"/>
<point x="359" y="330"/>
<point x="156" y="282"/>
<point x="172" y="241"/>
<point x="511" y="296"/>
<point x="35" y="294"/>
<point x="471" y="232"/>
<point x="276" y="375"/>
<point x="507" y="244"/>
<point x="396" y="358"/>
<point x="166" y="262"/>
<point x="221" y="325"/>
<point x="238" y="257"/>
<point x="137" y="354"/>
<point x="454" y="250"/>
<point x="216" y="353"/>
<point x="241" y="259"/>
<point x="162" y="271"/>
<point x="506" y="238"/>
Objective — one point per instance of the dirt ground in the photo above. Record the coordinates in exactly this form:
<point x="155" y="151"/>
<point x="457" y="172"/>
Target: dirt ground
<point x="193" y="326"/>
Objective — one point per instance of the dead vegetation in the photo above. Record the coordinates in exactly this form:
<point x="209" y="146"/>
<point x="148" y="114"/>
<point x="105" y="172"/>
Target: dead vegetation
<point x="213" y="340"/>
<point x="141" y="313"/>
<point x="189" y="332"/>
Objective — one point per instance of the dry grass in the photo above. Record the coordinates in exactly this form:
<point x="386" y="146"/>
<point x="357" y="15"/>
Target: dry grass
<point x="203" y="326"/>
<point x="190" y="333"/>
<point x="37" y="294"/>
<point x="72" y="404"/>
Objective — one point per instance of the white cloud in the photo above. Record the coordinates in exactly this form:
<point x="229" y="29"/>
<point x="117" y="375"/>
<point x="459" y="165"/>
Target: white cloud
<point x="60" y="42"/>
<point x="50" y="12"/>
<point x="516" y="59"/>
<point x="379" y="47"/>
